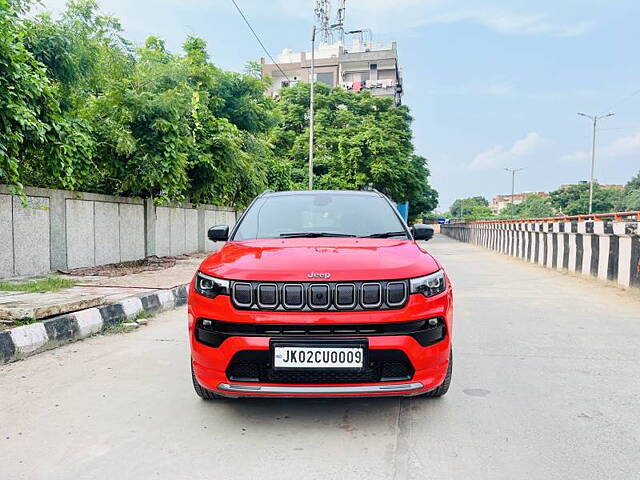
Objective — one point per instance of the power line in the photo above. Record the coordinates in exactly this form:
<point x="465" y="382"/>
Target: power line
<point x="624" y="99"/>
<point x="258" y="38"/>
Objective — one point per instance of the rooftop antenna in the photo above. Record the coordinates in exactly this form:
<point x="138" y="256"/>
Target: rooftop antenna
<point x="322" y="11"/>
<point x="339" y="25"/>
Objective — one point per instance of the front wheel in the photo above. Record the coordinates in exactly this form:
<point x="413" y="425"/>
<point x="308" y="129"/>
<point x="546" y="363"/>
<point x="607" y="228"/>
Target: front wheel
<point x="444" y="386"/>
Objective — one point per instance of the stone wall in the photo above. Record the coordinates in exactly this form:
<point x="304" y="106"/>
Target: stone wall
<point x="61" y="230"/>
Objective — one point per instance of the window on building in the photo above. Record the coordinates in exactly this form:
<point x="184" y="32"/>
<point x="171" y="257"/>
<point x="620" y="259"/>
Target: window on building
<point x="373" y="69"/>
<point x="326" y="78"/>
<point x="356" y="76"/>
<point x="389" y="74"/>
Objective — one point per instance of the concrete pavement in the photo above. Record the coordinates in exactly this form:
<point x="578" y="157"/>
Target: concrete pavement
<point x="91" y="291"/>
<point x="545" y="386"/>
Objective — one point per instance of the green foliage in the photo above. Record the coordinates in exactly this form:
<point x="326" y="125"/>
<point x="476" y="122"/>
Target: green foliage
<point x="633" y="184"/>
<point x="34" y="136"/>
<point x="631" y="200"/>
<point x="47" y="284"/>
<point x="574" y="199"/>
<point x="464" y="207"/>
<point x="535" y="206"/>
<point x="81" y="109"/>
<point x="82" y="50"/>
<point x="477" y="212"/>
<point x="360" y="141"/>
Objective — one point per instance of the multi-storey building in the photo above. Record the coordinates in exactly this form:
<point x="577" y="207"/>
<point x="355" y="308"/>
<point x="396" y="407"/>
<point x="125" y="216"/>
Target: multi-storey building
<point x="500" y="202"/>
<point x="364" y="66"/>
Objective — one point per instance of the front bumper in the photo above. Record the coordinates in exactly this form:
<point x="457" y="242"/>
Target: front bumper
<point x="429" y="363"/>
<point x="235" y="390"/>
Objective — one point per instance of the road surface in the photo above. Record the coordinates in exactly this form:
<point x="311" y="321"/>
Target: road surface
<point x="545" y="386"/>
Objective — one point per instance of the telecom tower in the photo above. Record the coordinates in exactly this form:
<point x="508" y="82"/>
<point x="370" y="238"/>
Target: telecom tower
<point x="322" y="11"/>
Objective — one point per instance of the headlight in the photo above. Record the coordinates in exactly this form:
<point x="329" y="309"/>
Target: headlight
<point x="211" y="287"/>
<point x="429" y="285"/>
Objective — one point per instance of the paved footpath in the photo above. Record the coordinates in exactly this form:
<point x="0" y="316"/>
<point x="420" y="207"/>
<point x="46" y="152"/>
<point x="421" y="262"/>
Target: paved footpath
<point x="545" y="386"/>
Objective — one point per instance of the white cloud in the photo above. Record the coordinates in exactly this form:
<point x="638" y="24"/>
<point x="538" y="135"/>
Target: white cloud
<point x="392" y="16"/>
<point x="622" y="147"/>
<point x="500" y="156"/>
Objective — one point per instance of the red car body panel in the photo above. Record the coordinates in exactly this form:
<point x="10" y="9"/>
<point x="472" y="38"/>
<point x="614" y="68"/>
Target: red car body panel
<point x="348" y="259"/>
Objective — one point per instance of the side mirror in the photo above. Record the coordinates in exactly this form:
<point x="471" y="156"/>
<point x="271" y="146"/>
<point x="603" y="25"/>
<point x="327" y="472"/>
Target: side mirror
<point x="219" y="233"/>
<point x="422" y="232"/>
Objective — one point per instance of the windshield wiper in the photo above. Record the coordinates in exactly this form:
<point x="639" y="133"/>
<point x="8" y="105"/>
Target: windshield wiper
<point x="387" y="234"/>
<point x="314" y="234"/>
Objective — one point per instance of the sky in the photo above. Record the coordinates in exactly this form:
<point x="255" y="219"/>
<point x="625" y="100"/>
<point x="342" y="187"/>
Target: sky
<point x="491" y="84"/>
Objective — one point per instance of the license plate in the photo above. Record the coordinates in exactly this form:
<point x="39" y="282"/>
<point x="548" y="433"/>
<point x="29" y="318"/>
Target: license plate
<point x="318" y="357"/>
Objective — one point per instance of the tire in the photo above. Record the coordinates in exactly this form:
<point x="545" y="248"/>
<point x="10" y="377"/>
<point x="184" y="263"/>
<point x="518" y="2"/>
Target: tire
<point x="444" y="386"/>
<point x="201" y="391"/>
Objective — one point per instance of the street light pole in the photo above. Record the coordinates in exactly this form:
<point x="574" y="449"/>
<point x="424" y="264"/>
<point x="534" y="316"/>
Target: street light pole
<point x="513" y="172"/>
<point x="594" y="119"/>
<point x="311" y="105"/>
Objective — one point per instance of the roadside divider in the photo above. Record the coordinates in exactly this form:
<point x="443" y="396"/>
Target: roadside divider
<point x="606" y="246"/>
<point x="26" y="340"/>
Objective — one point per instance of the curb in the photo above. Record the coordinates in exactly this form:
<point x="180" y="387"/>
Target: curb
<point x="26" y="340"/>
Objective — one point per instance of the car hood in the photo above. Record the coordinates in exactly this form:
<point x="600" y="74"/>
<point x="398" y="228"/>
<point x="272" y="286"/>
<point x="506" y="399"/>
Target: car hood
<point x="344" y="259"/>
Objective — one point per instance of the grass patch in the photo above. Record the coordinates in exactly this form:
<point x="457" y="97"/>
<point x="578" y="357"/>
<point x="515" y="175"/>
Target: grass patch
<point x="42" y="285"/>
<point x="141" y="316"/>
<point x="117" y="328"/>
<point x="120" y="327"/>
<point x="24" y="321"/>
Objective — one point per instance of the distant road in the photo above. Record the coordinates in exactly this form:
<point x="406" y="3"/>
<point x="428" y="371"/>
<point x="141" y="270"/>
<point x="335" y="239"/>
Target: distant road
<point x="545" y="386"/>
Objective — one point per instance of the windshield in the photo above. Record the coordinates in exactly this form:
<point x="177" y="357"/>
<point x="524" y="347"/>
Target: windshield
<point x="320" y="214"/>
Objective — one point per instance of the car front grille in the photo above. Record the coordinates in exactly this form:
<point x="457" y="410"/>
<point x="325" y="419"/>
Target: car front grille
<point x="382" y="366"/>
<point x="215" y="332"/>
<point x="316" y="296"/>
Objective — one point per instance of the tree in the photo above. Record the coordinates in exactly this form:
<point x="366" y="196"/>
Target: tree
<point x="464" y="207"/>
<point x="360" y="141"/>
<point x="80" y="108"/>
<point x="535" y="206"/>
<point x="36" y="141"/>
<point x="82" y="51"/>
<point x="632" y="194"/>
<point x="633" y="184"/>
<point x="574" y="199"/>
<point x="477" y="212"/>
<point x="632" y="201"/>
<point x="180" y="128"/>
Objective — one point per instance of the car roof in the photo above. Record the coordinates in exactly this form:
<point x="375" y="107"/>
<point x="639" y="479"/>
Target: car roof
<point x="315" y="192"/>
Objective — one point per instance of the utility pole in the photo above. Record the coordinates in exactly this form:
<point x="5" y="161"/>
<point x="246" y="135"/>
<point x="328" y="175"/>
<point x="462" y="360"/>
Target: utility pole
<point x="513" y="172"/>
<point x="311" y="105"/>
<point x="594" y="119"/>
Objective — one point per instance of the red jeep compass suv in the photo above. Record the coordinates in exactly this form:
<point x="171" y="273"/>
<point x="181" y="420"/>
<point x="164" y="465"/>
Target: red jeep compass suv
<point x="320" y="293"/>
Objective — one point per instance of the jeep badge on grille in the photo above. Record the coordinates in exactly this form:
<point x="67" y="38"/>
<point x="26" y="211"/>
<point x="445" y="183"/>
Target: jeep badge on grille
<point x="319" y="275"/>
